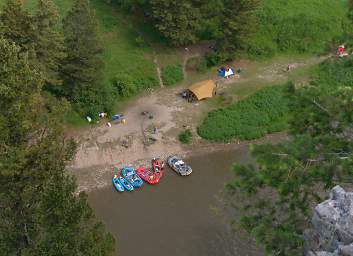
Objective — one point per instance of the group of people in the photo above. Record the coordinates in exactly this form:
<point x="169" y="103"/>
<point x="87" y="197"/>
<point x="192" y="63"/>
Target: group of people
<point x="341" y="51"/>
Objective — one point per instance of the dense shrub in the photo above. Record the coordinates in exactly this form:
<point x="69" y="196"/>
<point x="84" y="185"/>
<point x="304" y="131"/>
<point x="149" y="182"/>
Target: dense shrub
<point x="202" y="65"/>
<point x="128" y="84"/>
<point x="335" y="72"/>
<point x="185" y="136"/>
<point x="172" y="74"/>
<point x="297" y="26"/>
<point x="124" y="84"/>
<point x="264" y="112"/>
<point x="91" y="102"/>
<point x="212" y="58"/>
<point x="197" y="64"/>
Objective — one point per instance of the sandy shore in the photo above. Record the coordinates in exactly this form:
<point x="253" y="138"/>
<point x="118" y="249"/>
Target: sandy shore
<point x="91" y="177"/>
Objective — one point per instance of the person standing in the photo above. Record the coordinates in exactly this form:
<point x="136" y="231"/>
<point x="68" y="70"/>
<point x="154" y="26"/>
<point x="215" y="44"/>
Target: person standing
<point x="239" y="71"/>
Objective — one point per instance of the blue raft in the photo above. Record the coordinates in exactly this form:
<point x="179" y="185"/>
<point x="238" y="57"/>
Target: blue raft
<point x="126" y="184"/>
<point x="117" y="184"/>
<point x="130" y="176"/>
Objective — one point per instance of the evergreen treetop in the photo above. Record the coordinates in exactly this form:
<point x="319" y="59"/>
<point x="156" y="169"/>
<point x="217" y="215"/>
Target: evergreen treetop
<point x="18" y="26"/>
<point x="50" y="48"/>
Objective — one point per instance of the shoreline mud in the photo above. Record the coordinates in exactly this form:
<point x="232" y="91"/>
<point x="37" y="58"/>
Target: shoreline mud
<point x="99" y="176"/>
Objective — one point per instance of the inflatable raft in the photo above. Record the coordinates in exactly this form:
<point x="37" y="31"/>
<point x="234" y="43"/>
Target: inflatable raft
<point x="117" y="184"/>
<point x="129" y="174"/>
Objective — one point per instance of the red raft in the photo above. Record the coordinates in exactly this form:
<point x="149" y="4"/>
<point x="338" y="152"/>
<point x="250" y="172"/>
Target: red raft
<point x="151" y="176"/>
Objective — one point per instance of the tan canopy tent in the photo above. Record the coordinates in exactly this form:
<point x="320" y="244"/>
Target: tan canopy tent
<point x="202" y="90"/>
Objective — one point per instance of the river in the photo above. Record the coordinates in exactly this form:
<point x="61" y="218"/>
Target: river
<point x="177" y="217"/>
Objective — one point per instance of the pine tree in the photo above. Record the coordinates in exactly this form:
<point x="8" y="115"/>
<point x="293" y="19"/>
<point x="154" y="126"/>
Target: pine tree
<point x="82" y="68"/>
<point x="176" y="20"/>
<point x="17" y="25"/>
<point x="50" y="48"/>
<point x="239" y="25"/>
<point x="40" y="213"/>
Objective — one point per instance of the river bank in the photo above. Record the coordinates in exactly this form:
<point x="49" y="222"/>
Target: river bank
<point x="101" y="148"/>
<point x="99" y="176"/>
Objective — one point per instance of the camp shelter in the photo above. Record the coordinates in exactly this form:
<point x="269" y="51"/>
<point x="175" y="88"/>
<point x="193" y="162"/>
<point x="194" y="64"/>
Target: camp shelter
<point x="225" y="72"/>
<point x="202" y="90"/>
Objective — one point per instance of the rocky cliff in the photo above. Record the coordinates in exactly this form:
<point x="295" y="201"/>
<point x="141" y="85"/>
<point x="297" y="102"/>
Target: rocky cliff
<point x="332" y="234"/>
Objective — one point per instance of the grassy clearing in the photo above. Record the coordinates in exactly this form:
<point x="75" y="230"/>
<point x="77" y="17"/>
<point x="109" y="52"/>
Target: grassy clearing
<point x="298" y="26"/>
<point x="122" y="54"/>
<point x="264" y="112"/>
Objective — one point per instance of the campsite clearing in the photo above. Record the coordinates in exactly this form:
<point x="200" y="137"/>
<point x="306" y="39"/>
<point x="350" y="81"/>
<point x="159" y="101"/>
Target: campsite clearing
<point x="102" y="147"/>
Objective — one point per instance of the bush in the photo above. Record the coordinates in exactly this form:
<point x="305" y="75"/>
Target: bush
<point x="335" y="72"/>
<point x="140" y="41"/>
<point x="127" y="84"/>
<point x="202" y="65"/>
<point x="185" y="136"/>
<point x="212" y="58"/>
<point x="198" y="64"/>
<point x="93" y="101"/>
<point x="264" y="112"/>
<point x="172" y="74"/>
<point x="124" y="84"/>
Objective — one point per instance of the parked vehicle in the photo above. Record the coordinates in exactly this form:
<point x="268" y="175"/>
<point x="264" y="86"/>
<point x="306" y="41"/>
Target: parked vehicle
<point x="178" y="165"/>
<point x="131" y="177"/>
<point x="117" y="184"/>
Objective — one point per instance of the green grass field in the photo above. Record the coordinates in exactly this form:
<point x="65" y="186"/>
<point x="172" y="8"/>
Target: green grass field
<point x="298" y="26"/>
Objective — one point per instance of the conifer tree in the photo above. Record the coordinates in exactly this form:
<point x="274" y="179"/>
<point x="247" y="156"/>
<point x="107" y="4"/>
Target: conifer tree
<point x="239" y="25"/>
<point x="82" y="68"/>
<point x="40" y="213"/>
<point x="18" y="26"/>
<point x="176" y="20"/>
<point x="50" y="49"/>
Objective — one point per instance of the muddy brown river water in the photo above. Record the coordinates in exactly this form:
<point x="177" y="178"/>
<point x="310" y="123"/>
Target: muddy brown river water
<point x="177" y="217"/>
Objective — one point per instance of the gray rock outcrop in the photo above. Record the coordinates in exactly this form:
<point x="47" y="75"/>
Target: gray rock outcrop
<point x="333" y="226"/>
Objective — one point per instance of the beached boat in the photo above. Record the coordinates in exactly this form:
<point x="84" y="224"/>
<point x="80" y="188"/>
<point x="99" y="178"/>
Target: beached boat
<point x="131" y="177"/>
<point x="147" y="175"/>
<point x="178" y="165"/>
<point x="151" y="176"/>
<point x="126" y="184"/>
<point x="117" y="184"/>
<point x="157" y="166"/>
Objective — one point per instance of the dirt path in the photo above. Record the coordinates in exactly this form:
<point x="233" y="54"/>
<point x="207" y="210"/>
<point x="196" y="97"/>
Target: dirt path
<point x="159" y="73"/>
<point x="188" y="56"/>
<point x="103" y="148"/>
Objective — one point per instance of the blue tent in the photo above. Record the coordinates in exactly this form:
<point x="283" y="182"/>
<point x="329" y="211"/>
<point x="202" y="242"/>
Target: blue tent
<point x="225" y="72"/>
